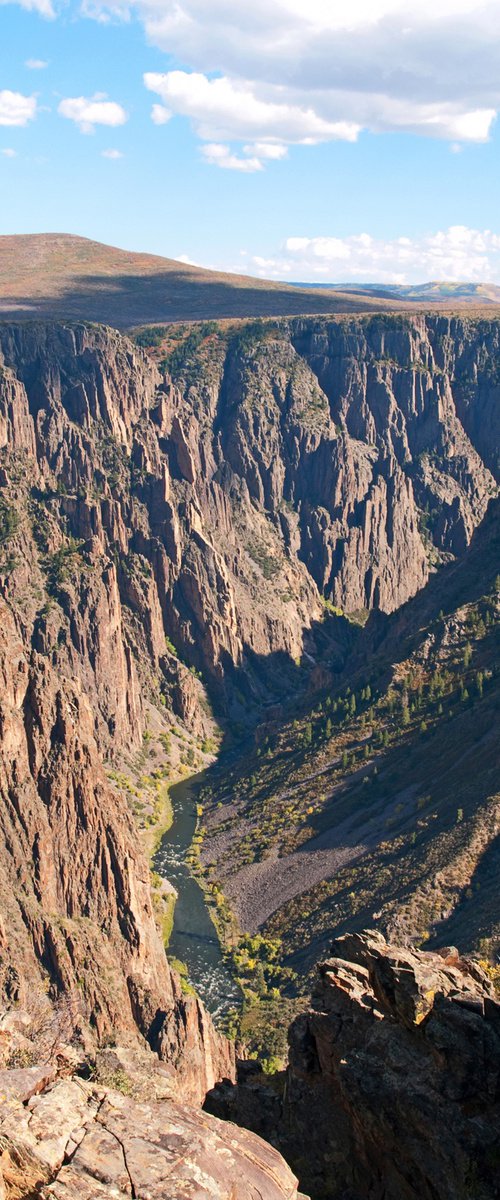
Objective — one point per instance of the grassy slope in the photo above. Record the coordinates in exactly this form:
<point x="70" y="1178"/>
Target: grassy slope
<point x="408" y="793"/>
<point x="61" y="276"/>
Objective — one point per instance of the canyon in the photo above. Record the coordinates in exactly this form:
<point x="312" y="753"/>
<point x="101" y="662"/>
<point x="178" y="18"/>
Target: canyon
<point x="218" y="527"/>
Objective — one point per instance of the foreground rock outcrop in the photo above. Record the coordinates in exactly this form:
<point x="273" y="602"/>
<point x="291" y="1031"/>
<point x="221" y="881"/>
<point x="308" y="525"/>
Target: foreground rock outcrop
<point x="67" y="1139"/>
<point x="393" y="1086"/>
<point x="400" y="1065"/>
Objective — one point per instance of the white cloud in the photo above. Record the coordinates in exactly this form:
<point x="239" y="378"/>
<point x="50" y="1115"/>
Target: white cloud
<point x="36" y="64"/>
<point x="8" y="152"/>
<point x="89" y="112"/>
<point x="271" y="150"/>
<point x="160" y="115"/>
<point x="111" y="154"/>
<point x="223" y="109"/>
<point x="16" y="109"/>
<point x="456" y="253"/>
<point x="44" y="7"/>
<point x="292" y="71"/>
<point x="219" y="155"/>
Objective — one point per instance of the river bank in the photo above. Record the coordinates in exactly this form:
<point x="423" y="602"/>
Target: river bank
<point x="193" y="938"/>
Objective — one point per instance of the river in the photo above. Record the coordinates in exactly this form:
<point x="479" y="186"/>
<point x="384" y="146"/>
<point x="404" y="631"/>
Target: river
<point x="194" y="938"/>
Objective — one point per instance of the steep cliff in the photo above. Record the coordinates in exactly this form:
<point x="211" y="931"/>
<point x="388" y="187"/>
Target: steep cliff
<point x="275" y="464"/>
<point x="400" y="1063"/>
<point x="76" y="913"/>
<point x="392" y="1089"/>
<point x="80" y="643"/>
<point x="202" y="508"/>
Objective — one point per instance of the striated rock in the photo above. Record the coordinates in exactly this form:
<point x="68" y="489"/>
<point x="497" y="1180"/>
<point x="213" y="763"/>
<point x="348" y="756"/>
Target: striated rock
<point x="393" y="1085"/>
<point x="78" y="1139"/>
<point x="81" y="641"/>
<point x="310" y="456"/>
<point x="74" y="886"/>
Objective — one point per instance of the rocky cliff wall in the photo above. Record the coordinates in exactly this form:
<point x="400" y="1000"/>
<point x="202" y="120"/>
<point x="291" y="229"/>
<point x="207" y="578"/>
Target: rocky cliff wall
<point x="271" y="467"/>
<point x="393" y="1086"/>
<point x="76" y="915"/>
<point x="400" y="1064"/>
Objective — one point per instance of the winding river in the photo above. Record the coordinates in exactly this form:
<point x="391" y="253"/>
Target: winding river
<point x="194" y="938"/>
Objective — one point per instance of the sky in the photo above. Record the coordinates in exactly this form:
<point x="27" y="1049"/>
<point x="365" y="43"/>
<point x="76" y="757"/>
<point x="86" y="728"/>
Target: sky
<point x="313" y="140"/>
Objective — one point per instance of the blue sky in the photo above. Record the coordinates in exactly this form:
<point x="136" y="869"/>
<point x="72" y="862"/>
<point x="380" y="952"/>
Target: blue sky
<point x="305" y="139"/>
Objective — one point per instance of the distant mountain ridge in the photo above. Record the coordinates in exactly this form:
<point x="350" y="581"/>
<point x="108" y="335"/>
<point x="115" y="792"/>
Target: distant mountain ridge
<point x="435" y="291"/>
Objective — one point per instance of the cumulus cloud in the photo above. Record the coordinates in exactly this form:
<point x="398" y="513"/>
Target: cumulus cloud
<point x="8" y="152"/>
<point x="254" y="157"/>
<point x="160" y="115"/>
<point x="36" y="64"/>
<point x="290" y="71"/>
<point x="16" y="109"/>
<point x="456" y="253"/>
<point x="89" y="112"/>
<point x="267" y="150"/>
<point x="219" y="155"/>
<point x="111" y="154"/>
<point x="222" y="109"/>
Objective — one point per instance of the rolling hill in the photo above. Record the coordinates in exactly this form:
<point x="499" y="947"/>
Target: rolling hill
<point x="60" y="276"/>
<point x="65" y="277"/>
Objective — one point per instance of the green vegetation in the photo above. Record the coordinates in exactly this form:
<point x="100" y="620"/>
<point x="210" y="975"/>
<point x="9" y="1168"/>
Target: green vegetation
<point x="151" y="336"/>
<point x="266" y="560"/>
<point x="181" y="361"/>
<point x="60" y="566"/>
<point x="9" y="522"/>
<point x="255" y="964"/>
<point x="381" y="757"/>
<point x="182" y="972"/>
<point x="249" y="335"/>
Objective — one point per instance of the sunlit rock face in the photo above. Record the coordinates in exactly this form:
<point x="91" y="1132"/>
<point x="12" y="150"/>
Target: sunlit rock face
<point x="340" y="458"/>
<point x="65" y="1138"/>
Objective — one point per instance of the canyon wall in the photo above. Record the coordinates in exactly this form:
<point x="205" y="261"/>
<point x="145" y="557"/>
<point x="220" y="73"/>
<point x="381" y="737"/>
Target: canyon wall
<point x="276" y="465"/>
<point x="154" y="522"/>
<point x="158" y="524"/>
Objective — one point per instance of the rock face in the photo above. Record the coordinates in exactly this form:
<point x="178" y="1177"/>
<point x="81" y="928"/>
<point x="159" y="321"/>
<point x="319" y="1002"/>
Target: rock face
<point x="303" y="458"/>
<point x="393" y="1087"/>
<point x="65" y="1139"/>
<point x="77" y="918"/>
<point x="392" y="1091"/>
